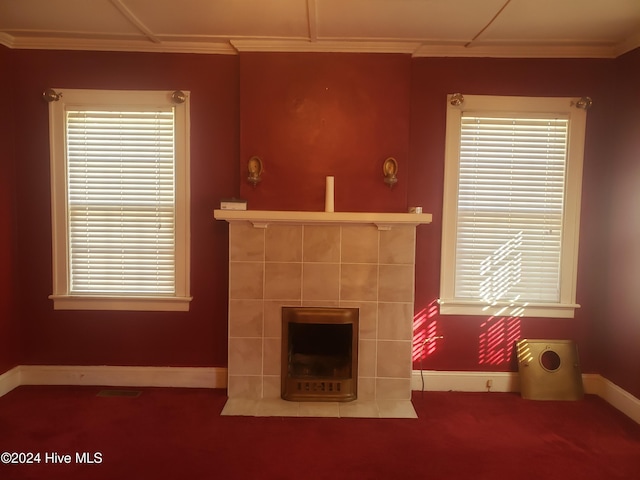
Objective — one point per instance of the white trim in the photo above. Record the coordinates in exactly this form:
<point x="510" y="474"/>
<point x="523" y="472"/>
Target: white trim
<point x="444" y="381"/>
<point x="216" y="377"/>
<point x="9" y="380"/>
<point x="123" y="376"/>
<point x="261" y="218"/>
<point x="180" y="377"/>
<point x="225" y="46"/>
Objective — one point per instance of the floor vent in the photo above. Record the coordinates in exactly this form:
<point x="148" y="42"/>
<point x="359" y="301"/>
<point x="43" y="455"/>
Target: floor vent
<point x="119" y="393"/>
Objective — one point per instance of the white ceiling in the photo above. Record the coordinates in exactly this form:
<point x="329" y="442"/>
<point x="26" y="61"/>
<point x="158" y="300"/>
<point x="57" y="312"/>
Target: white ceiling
<point x="499" y="28"/>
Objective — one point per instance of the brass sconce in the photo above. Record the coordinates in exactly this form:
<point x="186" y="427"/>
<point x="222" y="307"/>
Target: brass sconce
<point x="254" y="167"/>
<point x="390" y="171"/>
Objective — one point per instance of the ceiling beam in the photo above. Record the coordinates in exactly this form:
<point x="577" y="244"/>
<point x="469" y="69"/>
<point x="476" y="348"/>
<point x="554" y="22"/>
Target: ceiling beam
<point x="135" y="21"/>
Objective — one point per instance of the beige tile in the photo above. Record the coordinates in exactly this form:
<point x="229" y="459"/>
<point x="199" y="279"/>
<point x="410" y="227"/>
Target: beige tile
<point x="273" y="316"/>
<point x="396" y="409"/>
<point x="271" y="386"/>
<point x="245" y="356"/>
<point x="367" y="358"/>
<point x="320" y="281"/>
<point x="393" y="388"/>
<point x="283" y="281"/>
<point x="394" y="359"/>
<point x="277" y="408"/>
<point x="321" y="243"/>
<point x="359" y="409"/>
<point x="318" y="409"/>
<point x="396" y="283"/>
<point x="359" y="244"/>
<point x="246" y="243"/>
<point x="283" y="243"/>
<point x="397" y="245"/>
<point x="244" y="386"/>
<point x="240" y="407"/>
<point x="320" y="303"/>
<point x="395" y="321"/>
<point x="358" y="282"/>
<point x="272" y="355"/>
<point x="245" y="280"/>
<point x="245" y="318"/>
<point x="366" y="388"/>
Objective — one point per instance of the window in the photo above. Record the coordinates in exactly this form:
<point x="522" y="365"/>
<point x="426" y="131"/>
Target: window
<point x="120" y="200"/>
<point x="513" y="175"/>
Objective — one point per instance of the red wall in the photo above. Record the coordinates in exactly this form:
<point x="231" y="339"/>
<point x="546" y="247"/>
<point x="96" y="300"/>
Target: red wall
<point x="9" y="337"/>
<point x="308" y="116"/>
<point x="620" y="332"/>
<point x="196" y="338"/>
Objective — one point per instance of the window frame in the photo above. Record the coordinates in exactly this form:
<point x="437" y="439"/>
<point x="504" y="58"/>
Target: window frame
<point x="79" y="99"/>
<point x="518" y="107"/>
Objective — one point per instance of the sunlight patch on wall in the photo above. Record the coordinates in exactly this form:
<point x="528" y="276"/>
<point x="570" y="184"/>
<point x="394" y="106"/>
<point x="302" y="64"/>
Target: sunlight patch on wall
<point x="425" y="332"/>
<point x="497" y="340"/>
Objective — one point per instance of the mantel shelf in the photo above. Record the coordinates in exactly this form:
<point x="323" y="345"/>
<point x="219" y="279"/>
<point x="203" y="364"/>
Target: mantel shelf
<point x="262" y="218"/>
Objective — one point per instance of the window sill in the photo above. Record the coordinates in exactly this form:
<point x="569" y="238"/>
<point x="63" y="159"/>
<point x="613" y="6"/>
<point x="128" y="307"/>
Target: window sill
<point x="150" y="304"/>
<point x="511" y="309"/>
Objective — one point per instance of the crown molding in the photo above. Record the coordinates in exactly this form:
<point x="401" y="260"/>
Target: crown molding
<point x="301" y="45"/>
<point x="119" y="45"/>
<point x="223" y="46"/>
<point x="6" y="40"/>
<point x="516" y="51"/>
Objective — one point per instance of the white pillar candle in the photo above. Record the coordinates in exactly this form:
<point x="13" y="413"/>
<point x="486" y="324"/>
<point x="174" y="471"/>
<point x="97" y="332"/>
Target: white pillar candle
<point x="328" y="195"/>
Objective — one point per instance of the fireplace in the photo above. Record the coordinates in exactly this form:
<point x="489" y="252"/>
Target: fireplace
<point x="319" y="360"/>
<point x="329" y="260"/>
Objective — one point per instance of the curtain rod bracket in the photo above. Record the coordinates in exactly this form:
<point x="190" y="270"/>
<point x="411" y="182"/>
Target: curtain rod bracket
<point x="456" y="99"/>
<point x="50" y="95"/>
<point x="584" y="103"/>
<point x="178" y="97"/>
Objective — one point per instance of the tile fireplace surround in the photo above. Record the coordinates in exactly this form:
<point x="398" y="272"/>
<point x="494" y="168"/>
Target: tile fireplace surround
<point x="323" y="259"/>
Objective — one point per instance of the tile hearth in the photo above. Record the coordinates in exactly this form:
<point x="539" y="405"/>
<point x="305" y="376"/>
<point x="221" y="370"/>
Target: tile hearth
<point x="275" y="407"/>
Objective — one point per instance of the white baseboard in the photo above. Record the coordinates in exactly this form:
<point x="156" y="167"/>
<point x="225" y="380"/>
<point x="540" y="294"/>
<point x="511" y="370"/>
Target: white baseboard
<point x="216" y="377"/>
<point x="445" y="381"/>
<point x="112" y="376"/>
<point x="9" y="380"/>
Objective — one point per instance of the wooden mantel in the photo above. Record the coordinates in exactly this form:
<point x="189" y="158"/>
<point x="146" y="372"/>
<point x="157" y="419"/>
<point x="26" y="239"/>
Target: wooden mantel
<point x="262" y="218"/>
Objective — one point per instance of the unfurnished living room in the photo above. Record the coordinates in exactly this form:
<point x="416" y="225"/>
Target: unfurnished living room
<point x="320" y="239"/>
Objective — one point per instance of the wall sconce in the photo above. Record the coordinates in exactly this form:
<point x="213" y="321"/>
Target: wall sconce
<point x="390" y="170"/>
<point x="254" y="167"/>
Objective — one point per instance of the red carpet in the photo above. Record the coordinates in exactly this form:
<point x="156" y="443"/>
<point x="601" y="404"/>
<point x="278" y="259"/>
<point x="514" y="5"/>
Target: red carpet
<point x="179" y="434"/>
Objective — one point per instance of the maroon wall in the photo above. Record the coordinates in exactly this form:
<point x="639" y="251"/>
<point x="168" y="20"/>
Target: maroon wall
<point x="9" y="337"/>
<point x="486" y="343"/>
<point x="620" y="332"/>
<point x="128" y="338"/>
<point x="308" y="116"/>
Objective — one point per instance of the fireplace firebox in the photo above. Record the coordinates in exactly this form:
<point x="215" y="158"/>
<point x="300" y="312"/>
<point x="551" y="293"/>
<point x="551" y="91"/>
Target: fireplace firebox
<point x="319" y="354"/>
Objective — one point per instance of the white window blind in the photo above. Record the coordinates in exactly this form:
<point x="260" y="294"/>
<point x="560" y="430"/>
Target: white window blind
<point x="121" y="202"/>
<point x="510" y="208"/>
